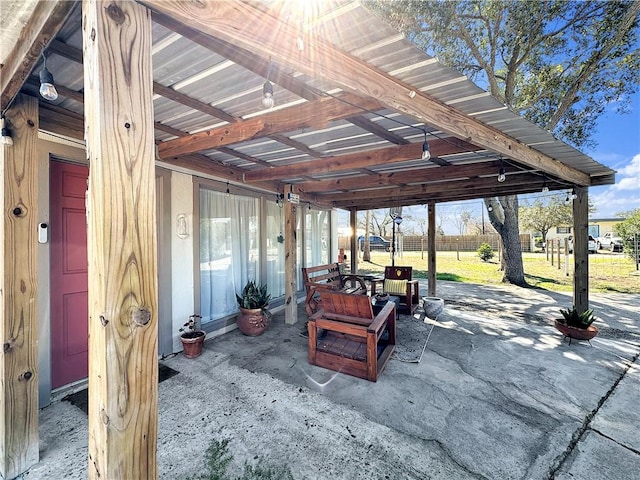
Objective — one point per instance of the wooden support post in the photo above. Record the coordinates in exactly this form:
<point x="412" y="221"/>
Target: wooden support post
<point x="581" y="249"/>
<point x="290" y="261"/>
<point x="559" y="266"/>
<point x="19" y="291"/>
<point x="431" y="248"/>
<point x="121" y="241"/>
<point x="353" y="239"/>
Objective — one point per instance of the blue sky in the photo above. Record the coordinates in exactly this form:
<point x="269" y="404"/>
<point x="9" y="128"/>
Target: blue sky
<point x="618" y="147"/>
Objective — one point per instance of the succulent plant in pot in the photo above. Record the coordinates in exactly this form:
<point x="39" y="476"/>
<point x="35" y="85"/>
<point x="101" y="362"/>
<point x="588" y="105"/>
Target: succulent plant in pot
<point x="254" y="316"/>
<point x="578" y="325"/>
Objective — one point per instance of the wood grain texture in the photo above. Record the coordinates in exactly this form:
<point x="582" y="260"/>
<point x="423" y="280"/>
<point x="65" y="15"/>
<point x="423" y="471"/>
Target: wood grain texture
<point x="123" y="292"/>
<point x="581" y="250"/>
<point x="43" y="25"/>
<point x="19" y="292"/>
<point x="246" y="26"/>
<point x="290" y="262"/>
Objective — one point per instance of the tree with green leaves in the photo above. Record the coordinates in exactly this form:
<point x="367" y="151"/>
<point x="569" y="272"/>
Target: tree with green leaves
<point x="629" y="231"/>
<point x="545" y="213"/>
<point x="557" y="63"/>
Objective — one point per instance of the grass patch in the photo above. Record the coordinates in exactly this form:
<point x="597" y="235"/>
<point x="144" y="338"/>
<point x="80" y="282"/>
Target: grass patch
<point x="218" y="458"/>
<point x="607" y="272"/>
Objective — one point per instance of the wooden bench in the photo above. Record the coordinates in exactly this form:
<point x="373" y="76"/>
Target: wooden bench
<point x="329" y="277"/>
<point x="346" y="336"/>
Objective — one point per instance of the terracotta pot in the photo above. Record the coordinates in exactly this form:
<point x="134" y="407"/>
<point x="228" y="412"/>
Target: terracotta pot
<point x="575" y="332"/>
<point x="192" y="345"/>
<point x="253" y="322"/>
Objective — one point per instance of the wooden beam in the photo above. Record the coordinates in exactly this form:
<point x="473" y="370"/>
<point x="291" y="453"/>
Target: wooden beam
<point x="366" y="124"/>
<point x="187" y="101"/>
<point x="395" y="179"/>
<point x="290" y="261"/>
<point x="358" y="160"/>
<point x="59" y="120"/>
<point x="444" y="192"/>
<point x="43" y="25"/>
<point x="123" y="288"/>
<point x="316" y="114"/>
<point x="245" y="58"/>
<point x="19" y="291"/>
<point x="246" y="25"/>
<point x="431" y="248"/>
<point x="581" y="250"/>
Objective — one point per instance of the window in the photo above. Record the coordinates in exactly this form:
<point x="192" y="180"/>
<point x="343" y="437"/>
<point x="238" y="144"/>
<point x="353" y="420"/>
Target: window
<point x="275" y="248"/>
<point x="316" y="237"/>
<point x="563" y="229"/>
<point x="229" y="250"/>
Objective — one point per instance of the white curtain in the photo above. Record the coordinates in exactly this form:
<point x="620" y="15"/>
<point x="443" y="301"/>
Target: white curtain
<point x="316" y="237"/>
<point x="229" y="250"/>
<point x="275" y="248"/>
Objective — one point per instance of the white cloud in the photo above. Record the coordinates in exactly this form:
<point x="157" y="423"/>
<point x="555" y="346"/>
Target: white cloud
<point x="624" y="195"/>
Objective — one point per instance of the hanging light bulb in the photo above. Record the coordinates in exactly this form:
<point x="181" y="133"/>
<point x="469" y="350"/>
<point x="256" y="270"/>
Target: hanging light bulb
<point x="545" y="187"/>
<point x="426" y="154"/>
<point x="5" y="139"/>
<point x="47" y="88"/>
<point x="501" y="174"/>
<point x="574" y="195"/>
<point x="567" y="199"/>
<point x="228" y="193"/>
<point x="267" y="95"/>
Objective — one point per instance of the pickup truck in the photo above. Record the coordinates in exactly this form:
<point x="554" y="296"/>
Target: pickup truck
<point x="609" y="242"/>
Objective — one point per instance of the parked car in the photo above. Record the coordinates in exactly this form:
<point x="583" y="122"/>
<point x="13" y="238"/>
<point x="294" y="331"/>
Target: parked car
<point x="376" y="242"/>
<point x="592" y="246"/>
<point x="609" y="242"/>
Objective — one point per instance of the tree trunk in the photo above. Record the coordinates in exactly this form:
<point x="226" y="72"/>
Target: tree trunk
<point x="503" y="215"/>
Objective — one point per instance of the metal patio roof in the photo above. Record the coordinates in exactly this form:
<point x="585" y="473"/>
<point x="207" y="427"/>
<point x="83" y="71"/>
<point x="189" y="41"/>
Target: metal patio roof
<point x="338" y="142"/>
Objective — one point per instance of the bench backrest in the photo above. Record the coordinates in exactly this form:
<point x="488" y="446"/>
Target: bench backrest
<point x="324" y="274"/>
<point x="337" y="305"/>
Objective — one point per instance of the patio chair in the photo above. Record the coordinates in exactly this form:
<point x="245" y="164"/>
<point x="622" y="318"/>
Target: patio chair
<point x="398" y="282"/>
<point x="345" y="336"/>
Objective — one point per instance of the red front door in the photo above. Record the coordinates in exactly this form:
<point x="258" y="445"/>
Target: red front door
<point x="69" y="282"/>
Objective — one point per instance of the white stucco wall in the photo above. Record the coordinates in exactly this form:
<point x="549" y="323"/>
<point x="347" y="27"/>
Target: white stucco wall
<point x="182" y="263"/>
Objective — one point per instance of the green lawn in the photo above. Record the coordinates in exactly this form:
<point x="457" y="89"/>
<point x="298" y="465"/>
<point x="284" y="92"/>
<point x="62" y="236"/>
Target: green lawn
<point x="607" y="272"/>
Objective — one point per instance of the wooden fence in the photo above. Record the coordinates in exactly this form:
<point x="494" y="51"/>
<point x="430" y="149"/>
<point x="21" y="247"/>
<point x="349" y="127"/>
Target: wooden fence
<point x="449" y="243"/>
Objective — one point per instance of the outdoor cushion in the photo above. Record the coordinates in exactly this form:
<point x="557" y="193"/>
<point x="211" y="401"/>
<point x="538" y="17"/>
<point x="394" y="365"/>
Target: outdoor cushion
<point x="395" y="287"/>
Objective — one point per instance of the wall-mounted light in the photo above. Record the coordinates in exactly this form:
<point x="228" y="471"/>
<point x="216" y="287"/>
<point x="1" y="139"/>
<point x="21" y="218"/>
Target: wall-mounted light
<point x="501" y="173"/>
<point x="426" y="154"/>
<point x="47" y="88"/>
<point x="5" y="139"/>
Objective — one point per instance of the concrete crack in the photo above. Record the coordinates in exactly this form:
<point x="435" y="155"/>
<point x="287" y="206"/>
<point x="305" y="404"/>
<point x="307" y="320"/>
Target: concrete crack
<point x="627" y="447"/>
<point x="579" y="433"/>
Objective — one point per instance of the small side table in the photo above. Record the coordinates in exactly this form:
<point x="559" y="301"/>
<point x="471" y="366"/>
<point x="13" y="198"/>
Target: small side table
<point x="378" y="305"/>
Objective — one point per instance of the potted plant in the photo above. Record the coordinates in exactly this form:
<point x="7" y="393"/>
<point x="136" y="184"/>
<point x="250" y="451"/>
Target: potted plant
<point x="254" y="317"/>
<point x="192" y="337"/>
<point x="577" y="325"/>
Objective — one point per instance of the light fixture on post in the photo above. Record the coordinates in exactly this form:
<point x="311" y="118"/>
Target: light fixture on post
<point x="47" y="88"/>
<point x="426" y="154"/>
<point x="6" y="133"/>
<point x="501" y="174"/>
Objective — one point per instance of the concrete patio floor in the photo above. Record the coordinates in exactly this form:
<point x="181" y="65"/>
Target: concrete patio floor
<point x="498" y="395"/>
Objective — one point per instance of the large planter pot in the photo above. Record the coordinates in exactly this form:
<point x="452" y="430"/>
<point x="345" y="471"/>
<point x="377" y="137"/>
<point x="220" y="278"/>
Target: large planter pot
<point x="432" y="306"/>
<point x="192" y="343"/>
<point x="577" y="333"/>
<point x="253" y="322"/>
